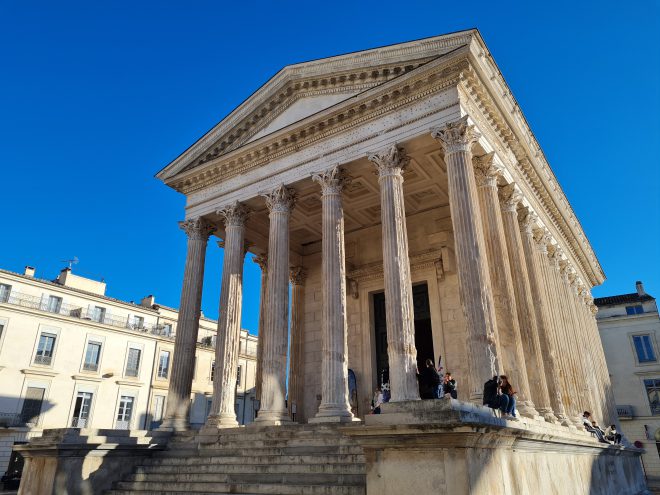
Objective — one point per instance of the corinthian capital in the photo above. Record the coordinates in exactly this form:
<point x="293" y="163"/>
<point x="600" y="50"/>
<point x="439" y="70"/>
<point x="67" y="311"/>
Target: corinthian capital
<point x="456" y="136"/>
<point x="281" y="199"/>
<point x="262" y="261"/>
<point x="332" y="181"/>
<point x="197" y="228"/>
<point x="297" y="275"/>
<point x="485" y="170"/>
<point x="528" y="220"/>
<point x="510" y="196"/>
<point x="543" y="238"/>
<point x="235" y="214"/>
<point x="389" y="161"/>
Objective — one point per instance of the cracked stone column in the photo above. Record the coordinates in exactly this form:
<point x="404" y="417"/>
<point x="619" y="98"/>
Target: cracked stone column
<point x="223" y="412"/>
<point x="187" y="327"/>
<point x="399" y="311"/>
<point x="334" y="405"/>
<point x="297" y="275"/>
<point x="262" y="261"/>
<point x="529" y="330"/>
<point x="512" y="357"/>
<point x="476" y="294"/>
<point x="535" y="255"/>
<point x="273" y="409"/>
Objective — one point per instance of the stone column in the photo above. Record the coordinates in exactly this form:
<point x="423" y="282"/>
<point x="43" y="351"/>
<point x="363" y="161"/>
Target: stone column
<point x="535" y="267"/>
<point x="276" y="323"/>
<point x="297" y="277"/>
<point x="524" y="295"/>
<point x="262" y="261"/>
<point x="476" y="294"/>
<point x="185" y="344"/>
<point x="399" y="311"/>
<point x="512" y="357"/>
<point x="334" y="406"/>
<point x="223" y="412"/>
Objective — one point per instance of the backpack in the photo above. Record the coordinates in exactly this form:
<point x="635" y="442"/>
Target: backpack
<point x="490" y="393"/>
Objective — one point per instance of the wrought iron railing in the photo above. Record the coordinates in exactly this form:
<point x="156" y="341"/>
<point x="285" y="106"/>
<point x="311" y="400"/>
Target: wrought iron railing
<point x="79" y="423"/>
<point x="90" y="366"/>
<point x="625" y="411"/>
<point x="123" y="425"/>
<point x="10" y="419"/>
<point x="43" y="359"/>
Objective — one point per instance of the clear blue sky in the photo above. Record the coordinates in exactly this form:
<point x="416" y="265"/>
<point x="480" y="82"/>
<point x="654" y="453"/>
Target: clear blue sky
<point x="96" y="97"/>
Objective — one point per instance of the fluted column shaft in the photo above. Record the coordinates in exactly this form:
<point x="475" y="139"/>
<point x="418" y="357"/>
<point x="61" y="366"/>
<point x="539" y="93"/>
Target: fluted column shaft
<point x="399" y="311"/>
<point x="512" y="357"/>
<point x="262" y="261"/>
<point x="187" y="328"/>
<point x="276" y="324"/>
<point x="529" y="329"/>
<point x="223" y="412"/>
<point x="471" y="258"/>
<point x="296" y="372"/>
<point x="334" y="325"/>
<point x="534" y="256"/>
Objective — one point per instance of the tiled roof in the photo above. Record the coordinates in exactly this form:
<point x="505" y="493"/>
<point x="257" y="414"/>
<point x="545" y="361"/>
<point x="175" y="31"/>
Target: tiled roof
<point x="623" y="299"/>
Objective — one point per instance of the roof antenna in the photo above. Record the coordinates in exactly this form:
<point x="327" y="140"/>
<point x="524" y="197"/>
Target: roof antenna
<point x="71" y="262"/>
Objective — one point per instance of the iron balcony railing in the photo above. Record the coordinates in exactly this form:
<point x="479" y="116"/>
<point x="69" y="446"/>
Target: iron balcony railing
<point x="91" y="367"/>
<point x="625" y="411"/>
<point x="79" y="423"/>
<point x="7" y="420"/>
<point x="43" y="359"/>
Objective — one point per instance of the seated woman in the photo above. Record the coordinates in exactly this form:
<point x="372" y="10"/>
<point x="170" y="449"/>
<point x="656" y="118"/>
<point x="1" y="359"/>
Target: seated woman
<point x="493" y="396"/>
<point x="508" y="390"/>
<point x="588" y="422"/>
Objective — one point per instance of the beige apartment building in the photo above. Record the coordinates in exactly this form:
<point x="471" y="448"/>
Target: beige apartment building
<point x="629" y="327"/>
<point x="72" y="357"/>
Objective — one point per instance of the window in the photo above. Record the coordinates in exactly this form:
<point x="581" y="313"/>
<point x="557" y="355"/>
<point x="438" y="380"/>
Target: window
<point x="212" y="370"/>
<point x="238" y="376"/>
<point x="644" y="348"/>
<point x="98" y="314"/>
<point x="653" y="391"/>
<point x="167" y="329"/>
<point x="54" y="304"/>
<point x="133" y="362"/>
<point x="125" y="412"/>
<point x="5" y="291"/>
<point x="158" y="411"/>
<point x="209" y="402"/>
<point x="92" y="356"/>
<point x="34" y="399"/>
<point x="45" y="349"/>
<point x="634" y="310"/>
<point x="2" y="329"/>
<point x="163" y="364"/>
<point x="138" y="322"/>
<point x="81" y="410"/>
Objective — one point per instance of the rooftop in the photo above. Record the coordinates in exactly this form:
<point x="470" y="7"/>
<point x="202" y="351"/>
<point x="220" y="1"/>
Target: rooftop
<point x="633" y="298"/>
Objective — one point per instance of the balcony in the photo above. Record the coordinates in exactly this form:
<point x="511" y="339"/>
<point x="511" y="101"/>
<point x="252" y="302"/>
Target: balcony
<point x="9" y="420"/>
<point x="625" y="412"/>
<point x="43" y="359"/>
<point x="90" y="367"/>
<point x="79" y="423"/>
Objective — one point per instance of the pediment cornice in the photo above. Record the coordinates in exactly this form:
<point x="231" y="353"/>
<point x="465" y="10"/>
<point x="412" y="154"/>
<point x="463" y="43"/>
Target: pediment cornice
<point x="354" y="71"/>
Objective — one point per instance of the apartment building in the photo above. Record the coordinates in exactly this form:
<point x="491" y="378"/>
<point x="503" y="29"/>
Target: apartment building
<point x="70" y="356"/>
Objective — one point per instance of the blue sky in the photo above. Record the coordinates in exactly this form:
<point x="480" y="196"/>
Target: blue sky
<point x="96" y="97"/>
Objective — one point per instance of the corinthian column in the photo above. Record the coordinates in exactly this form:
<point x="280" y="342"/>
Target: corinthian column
<point x="262" y="261"/>
<point x="276" y="324"/>
<point x="183" y="361"/>
<point x="399" y="312"/>
<point x="334" y="327"/>
<point x="223" y="412"/>
<point x="511" y="350"/>
<point x="535" y="266"/>
<point x="529" y="329"/>
<point x="457" y="139"/>
<point x="297" y="277"/>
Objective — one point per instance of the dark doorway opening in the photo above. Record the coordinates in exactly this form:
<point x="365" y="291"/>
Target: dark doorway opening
<point x="423" y="331"/>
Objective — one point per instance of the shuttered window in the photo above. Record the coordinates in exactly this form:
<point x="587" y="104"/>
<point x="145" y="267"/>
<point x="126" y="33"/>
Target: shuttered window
<point x="133" y="362"/>
<point x="34" y="399"/>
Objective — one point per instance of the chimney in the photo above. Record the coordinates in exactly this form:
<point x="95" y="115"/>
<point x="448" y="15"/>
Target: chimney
<point x="640" y="289"/>
<point x="148" y="302"/>
<point x="29" y="271"/>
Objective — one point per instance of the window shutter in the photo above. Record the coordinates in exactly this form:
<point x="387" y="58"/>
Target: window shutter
<point x="34" y="397"/>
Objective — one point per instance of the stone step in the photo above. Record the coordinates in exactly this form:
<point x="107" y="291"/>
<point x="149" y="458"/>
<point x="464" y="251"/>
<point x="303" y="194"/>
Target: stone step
<point x="228" y="468"/>
<point x="165" y="488"/>
<point x="256" y="458"/>
<point x="293" y="450"/>
<point x="275" y="442"/>
<point x="268" y="478"/>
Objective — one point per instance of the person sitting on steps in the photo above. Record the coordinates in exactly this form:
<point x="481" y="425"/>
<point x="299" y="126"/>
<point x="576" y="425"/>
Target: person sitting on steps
<point x="508" y="390"/>
<point x="493" y="396"/>
<point x="588" y="422"/>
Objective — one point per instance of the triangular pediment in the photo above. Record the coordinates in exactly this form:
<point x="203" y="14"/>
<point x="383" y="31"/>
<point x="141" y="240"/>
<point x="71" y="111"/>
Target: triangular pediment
<point x="299" y="91"/>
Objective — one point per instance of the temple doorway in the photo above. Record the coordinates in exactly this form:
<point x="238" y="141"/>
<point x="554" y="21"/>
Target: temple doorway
<point x="423" y="331"/>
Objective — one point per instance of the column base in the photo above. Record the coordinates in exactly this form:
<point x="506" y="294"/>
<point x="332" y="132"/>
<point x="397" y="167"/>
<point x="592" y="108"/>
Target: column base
<point x="548" y="415"/>
<point x="220" y="421"/>
<point x="334" y="418"/>
<point x="174" y="424"/>
<point x="273" y="418"/>
<point x="528" y="410"/>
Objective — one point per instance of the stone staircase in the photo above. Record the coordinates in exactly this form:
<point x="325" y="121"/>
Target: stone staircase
<point x="276" y="460"/>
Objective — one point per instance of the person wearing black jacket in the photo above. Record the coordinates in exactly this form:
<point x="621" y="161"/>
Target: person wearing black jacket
<point x="429" y="379"/>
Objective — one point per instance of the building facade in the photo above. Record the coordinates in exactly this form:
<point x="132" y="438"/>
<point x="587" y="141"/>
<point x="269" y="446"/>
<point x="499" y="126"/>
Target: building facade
<point x="72" y="357"/>
<point x="400" y="198"/>
<point x="629" y="327"/>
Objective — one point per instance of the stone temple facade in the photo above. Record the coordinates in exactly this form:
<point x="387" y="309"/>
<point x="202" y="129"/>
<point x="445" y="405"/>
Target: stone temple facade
<point x="400" y="198"/>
